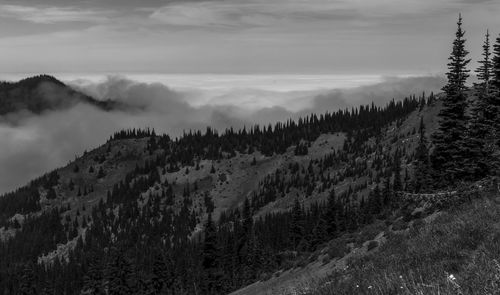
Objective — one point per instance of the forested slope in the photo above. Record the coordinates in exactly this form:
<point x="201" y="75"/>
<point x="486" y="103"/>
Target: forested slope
<point x="206" y="212"/>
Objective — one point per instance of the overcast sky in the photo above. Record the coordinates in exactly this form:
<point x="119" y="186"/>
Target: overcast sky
<point x="237" y="36"/>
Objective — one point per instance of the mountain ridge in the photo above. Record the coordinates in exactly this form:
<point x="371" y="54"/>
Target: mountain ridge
<point x="42" y="93"/>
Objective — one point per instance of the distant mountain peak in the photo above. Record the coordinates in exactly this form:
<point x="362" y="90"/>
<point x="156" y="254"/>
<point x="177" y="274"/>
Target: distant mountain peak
<point x="30" y="95"/>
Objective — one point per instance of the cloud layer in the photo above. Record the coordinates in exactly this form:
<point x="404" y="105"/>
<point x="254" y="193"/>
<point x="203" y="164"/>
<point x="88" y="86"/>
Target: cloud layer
<point x="238" y="36"/>
<point x="51" y="15"/>
<point x="37" y="144"/>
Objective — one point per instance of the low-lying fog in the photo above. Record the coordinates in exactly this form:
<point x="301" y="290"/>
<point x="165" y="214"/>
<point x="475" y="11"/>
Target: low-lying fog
<point x="37" y="144"/>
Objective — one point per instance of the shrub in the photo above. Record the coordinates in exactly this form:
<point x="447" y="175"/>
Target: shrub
<point x="287" y="265"/>
<point x="372" y="245"/>
<point x="313" y="257"/>
<point x="399" y="225"/>
<point x="416" y="226"/>
<point x="337" y="248"/>
<point x="265" y="276"/>
<point x="369" y="232"/>
<point x="302" y="262"/>
<point x="326" y="259"/>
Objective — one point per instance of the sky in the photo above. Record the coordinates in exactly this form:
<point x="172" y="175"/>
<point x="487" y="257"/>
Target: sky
<point x="222" y="63"/>
<point x="355" y="37"/>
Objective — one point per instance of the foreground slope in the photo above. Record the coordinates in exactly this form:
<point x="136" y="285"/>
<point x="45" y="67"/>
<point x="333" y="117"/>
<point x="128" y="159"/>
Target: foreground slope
<point x="439" y="244"/>
<point x="454" y="250"/>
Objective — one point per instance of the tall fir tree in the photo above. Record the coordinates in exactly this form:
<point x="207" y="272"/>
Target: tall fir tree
<point x="484" y="71"/>
<point x="162" y="277"/>
<point x="397" y="184"/>
<point x="319" y="233"/>
<point x="331" y="214"/>
<point x="245" y="232"/>
<point x="210" y="259"/>
<point x="481" y="133"/>
<point x="375" y="201"/>
<point x="27" y="281"/>
<point x="495" y="71"/>
<point x="495" y="90"/>
<point x="118" y="274"/>
<point x="387" y="192"/>
<point x="93" y="279"/>
<point x="450" y="150"/>
<point x="422" y="180"/>
<point x="296" y="226"/>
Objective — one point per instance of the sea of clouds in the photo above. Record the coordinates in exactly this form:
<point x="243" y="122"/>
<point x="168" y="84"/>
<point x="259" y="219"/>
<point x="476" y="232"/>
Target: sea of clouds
<point x="31" y="145"/>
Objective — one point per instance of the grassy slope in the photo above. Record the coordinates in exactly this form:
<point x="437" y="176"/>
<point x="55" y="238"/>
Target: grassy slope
<point x="457" y="252"/>
<point x="452" y="251"/>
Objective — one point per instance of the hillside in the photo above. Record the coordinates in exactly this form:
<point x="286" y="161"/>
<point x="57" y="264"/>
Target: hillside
<point x="441" y="244"/>
<point x="43" y="93"/>
<point x="137" y="208"/>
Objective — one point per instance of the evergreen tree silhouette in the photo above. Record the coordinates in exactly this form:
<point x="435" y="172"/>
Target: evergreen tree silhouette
<point x="422" y="180"/>
<point x="450" y="150"/>
<point x="481" y="131"/>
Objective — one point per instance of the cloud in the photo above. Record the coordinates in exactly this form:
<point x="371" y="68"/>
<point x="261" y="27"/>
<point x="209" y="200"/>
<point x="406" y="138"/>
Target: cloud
<point x="37" y="144"/>
<point x="237" y="36"/>
<point x="381" y="93"/>
<point x="250" y="13"/>
<point x="52" y="15"/>
<point x="210" y="14"/>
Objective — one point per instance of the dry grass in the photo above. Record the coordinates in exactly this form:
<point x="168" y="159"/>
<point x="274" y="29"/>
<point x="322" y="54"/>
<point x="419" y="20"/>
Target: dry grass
<point x="457" y="253"/>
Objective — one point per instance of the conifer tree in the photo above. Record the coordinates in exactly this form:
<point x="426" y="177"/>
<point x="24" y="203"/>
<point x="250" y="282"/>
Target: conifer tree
<point x="387" y="192"/>
<point x="331" y="214"/>
<point x="319" y="233"/>
<point x="27" y="286"/>
<point x="48" y="289"/>
<point x="119" y="279"/>
<point x="100" y="173"/>
<point x="375" y="201"/>
<point x="210" y="258"/>
<point x="495" y="90"/>
<point x="397" y="185"/>
<point x="162" y="276"/>
<point x="247" y="219"/>
<point x="93" y="279"/>
<point x="296" y="226"/>
<point x="481" y="128"/>
<point x="484" y="71"/>
<point x="495" y="71"/>
<point x="51" y="194"/>
<point x="422" y="166"/>
<point x="450" y="151"/>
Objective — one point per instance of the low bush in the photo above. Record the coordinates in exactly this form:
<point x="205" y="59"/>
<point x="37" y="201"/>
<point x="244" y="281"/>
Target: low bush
<point x="399" y="225"/>
<point x="369" y="232"/>
<point x="337" y="248"/>
<point x="372" y="245"/>
<point x="326" y="259"/>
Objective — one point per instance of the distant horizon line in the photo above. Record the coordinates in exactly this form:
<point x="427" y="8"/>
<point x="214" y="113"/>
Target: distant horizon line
<point x="124" y="73"/>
